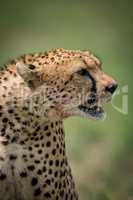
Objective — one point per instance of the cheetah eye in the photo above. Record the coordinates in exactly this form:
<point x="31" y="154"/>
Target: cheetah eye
<point x="31" y="66"/>
<point x="84" y="72"/>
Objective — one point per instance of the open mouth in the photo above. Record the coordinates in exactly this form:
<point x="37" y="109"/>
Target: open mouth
<point x="93" y="107"/>
<point x="94" y="111"/>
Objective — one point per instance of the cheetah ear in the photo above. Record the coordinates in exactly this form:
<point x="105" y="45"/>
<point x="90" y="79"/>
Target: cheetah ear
<point x="29" y="73"/>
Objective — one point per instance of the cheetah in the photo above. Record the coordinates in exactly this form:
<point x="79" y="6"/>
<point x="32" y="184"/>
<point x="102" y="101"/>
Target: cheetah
<point x="37" y="92"/>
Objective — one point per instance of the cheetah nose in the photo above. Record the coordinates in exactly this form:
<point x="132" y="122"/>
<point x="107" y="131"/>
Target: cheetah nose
<point x="111" y="88"/>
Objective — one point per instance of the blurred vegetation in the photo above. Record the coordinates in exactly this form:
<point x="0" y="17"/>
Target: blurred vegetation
<point x="101" y="153"/>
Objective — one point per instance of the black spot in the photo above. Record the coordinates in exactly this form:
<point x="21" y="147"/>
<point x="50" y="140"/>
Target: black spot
<point x="46" y="155"/>
<point x="42" y="144"/>
<point x="57" y="163"/>
<point x="23" y="174"/>
<point x="31" y="155"/>
<point x="56" y="184"/>
<point x="66" y="198"/>
<point x="62" y="193"/>
<point x="25" y="123"/>
<point x="62" y="90"/>
<point x="57" y="197"/>
<point x="39" y="172"/>
<point x="50" y="171"/>
<point x="4" y="96"/>
<point x="7" y="137"/>
<point x="18" y="119"/>
<point x="60" y="185"/>
<point x="35" y="134"/>
<point x="4" y="87"/>
<point x="37" y="161"/>
<point x="44" y="169"/>
<point x="37" y="129"/>
<point x="64" y="96"/>
<point x="25" y="108"/>
<point x="44" y="185"/>
<point x="36" y="139"/>
<point x="51" y="162"/>
<point x="1" y="158"/>
<point x="53" y="192"/>
<point x="56" y="173"/>
<point x="30" y="148"/>
<point x="5" y="120"/>
<point x="41" y="137"/>
<point x="48" y="181"/>
<point x="10" y="111"/>
<point x="52" y="125"/>
<point x="48" y="134"/>
<point x="3" y="130"/>
<point x="54" y="151"/>
<point x="31" y="167"/>
<point x="40" y="151"/>
<point x="12" y="157"/>
<point x="54" y="139"/>
<point x="2" y="176"/>
<point x="5" y="142"/>
<point x="36" y="145"/>
<point x="45" y="128"/>
<point x="47" y="195"/>
<point x="37" y="192"/>
<point x="34" y="181"/>
<point x="11" y="124"/>
<point x="45" y="162"/>
<point x="13" y="139"/>
<point x="48" y="144"/>
<point x="22" y="142"/>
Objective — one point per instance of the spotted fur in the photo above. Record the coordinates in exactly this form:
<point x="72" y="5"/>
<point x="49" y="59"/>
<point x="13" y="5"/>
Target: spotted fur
<point x="37" y="91"/>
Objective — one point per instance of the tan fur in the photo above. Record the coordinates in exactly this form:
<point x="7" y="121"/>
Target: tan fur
<point x="37" y="91"/>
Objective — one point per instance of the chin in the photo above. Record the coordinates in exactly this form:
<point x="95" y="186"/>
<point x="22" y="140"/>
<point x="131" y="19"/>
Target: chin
<point x="94" y="113"/>
<point x="97" y="115"/>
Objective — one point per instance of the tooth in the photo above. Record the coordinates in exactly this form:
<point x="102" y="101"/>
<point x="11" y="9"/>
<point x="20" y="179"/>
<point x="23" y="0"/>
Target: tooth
<point x="98" y="109"/>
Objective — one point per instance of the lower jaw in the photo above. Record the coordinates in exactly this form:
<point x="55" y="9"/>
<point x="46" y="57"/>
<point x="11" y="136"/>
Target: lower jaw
<point x="94" y="113"/>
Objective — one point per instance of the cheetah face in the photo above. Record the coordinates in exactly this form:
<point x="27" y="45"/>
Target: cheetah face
<point x="74" y="85"/>
<point x="88" y="89"/>
<point x="97" y="89"/>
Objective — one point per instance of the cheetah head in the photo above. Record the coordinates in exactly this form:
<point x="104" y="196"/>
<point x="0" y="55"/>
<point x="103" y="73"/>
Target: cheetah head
<point x="72" y="82"/>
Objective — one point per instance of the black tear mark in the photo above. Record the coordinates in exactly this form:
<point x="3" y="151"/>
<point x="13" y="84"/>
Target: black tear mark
<point x="93" y="88"/>
<point x="93" y="97"/>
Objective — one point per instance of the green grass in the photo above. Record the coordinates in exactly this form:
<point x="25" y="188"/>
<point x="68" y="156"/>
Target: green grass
<point x="100" y="152"/>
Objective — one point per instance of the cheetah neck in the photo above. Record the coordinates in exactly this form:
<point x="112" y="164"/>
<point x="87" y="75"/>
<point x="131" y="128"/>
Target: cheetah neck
<point x="25" y="122"/>
<point x="31" y="144"/>
<point x="31" y="131"/>
<point x="38" y="146"/>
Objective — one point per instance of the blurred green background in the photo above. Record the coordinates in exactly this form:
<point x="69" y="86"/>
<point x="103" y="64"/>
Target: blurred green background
<point x="101" y="153"/>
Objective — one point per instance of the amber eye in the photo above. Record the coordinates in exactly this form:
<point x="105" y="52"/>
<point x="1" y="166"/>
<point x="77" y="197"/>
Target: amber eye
<point x="84" y="72"/>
